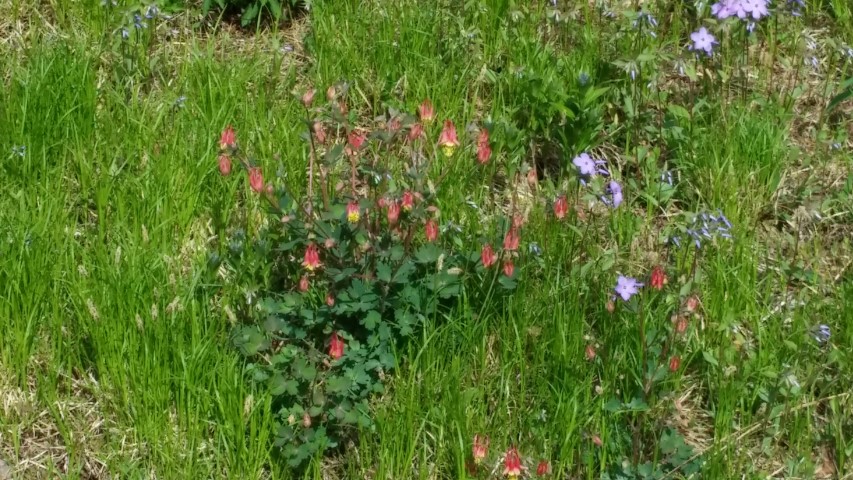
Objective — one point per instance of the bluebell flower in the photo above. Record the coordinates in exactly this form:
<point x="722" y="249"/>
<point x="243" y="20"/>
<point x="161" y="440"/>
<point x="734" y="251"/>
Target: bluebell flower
<point x="151" y="12"/>
<point x="666" y="177"/>
<point x="534" y="248"/>
<point x="583" y="79"/>
<point x="821" y="333"/>
<point x="707" y="227"/>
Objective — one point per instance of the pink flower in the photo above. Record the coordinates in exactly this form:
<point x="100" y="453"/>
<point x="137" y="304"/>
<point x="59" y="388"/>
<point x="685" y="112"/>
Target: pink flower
<point x="331" y="93"/>
<point x="304" y="284"/>
<point x="353" y="212"/>
<point x="312" y="258"/>
<point x="692" y="303"/>
<point x="512" y="463"/>
<point x="561" y="207"/>
<point x="330" y="300"/>
<point x="658" y="279"/>
<point x="431" y="230"/>
<point x="393" y="212"/>
<point x="480" y="448"/>
<point x="319" y="132"/>
<point x="674" y="363"/>
<point x="509" y="268"/>
<point x="590" y="352"/>
<point x="681" y="325"/>
<point x="416" y="132"/>
<point x="544" y="468"/>
<point x="487" y="256"/>
<point x="256" y="179"/>
<point x="336" y="346"/>
<point x="448" y="140"/>
<point x="228" y="139"/>
<point x="511" y="239"/>
<point x="484" y="151"/>
<point x="356" y="139"/>
<point x="426" y="111"/>
<point x="308" y="97"/>
<point x="408" y="201"/>
<point x="224" y="164"/>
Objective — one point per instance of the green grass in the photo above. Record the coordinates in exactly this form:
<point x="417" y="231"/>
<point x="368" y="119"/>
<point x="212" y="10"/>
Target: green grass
<point x="115" y="366"/>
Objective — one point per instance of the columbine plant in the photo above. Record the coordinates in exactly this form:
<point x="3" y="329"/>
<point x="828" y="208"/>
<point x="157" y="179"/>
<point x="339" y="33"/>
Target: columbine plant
<point x="334" y="280"/>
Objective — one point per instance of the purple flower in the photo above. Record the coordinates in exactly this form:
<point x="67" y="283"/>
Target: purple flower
<point x="703" y="40"/>
<point x="588" y="167"/>
<point x="614" y="190"/>
<point x="626" y="287"/>
<point x="822" y="334"/>
<point x="757" y="8"/>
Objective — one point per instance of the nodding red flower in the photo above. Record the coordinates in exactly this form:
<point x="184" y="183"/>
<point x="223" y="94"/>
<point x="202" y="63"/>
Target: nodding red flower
<point x="353" y="212"/>
<point x="487" y="256"/>
<point x="431" y="230"/>
<point x="356" y="139"/>
<point x="393" y="212"/>
<point x="228" y="139"/>
<point x="382" y="202"/>
<point x="408" y="201"/>
<point x="532" y="178"/>
<point x="336" y="346"/>
<point x="658" y="279"/>
<point x="597" y="441"/>
<point x="484" y="151"/>
<point x="590" y="352"/>
<point x="331" y="93"/>
<point x="544" y="468"/>
<point x="610" y="306"/>
<point x="426" y="111"/>
<point x="509" y="268"/>
<point x="394" y="124"/>
<point x="312" y="258"/>
<point x="416" y="132"/>
<point x="224" y="164"/>
<point x="330" y="300"/>
<point x="512" y="463"/>
<point x="448" y="140"/>
<point x="561" y="207"/>
<point x="306" y="420"/>
<point x="304" y="284"/>
<point x="480" y="448"/>
<point x="308" y="97"/>
<point x="319" y="132"/>
<point x="256" y="179"/>
<point x="692" y="303"/>
<point x="681" y="325"/>
<point x="511" y="239"/>
<point x="674" y="363"/>
<point x="518" y="220"/>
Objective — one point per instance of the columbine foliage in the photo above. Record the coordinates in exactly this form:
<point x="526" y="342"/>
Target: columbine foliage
<point x="331" y="283"/>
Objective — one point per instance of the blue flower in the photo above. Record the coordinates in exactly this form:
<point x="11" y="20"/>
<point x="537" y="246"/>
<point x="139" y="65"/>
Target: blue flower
<point x="626" y="287"/>
<point x="822" y="333"/>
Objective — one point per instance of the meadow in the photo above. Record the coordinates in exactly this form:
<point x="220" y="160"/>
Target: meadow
<point x="665" y="189"/>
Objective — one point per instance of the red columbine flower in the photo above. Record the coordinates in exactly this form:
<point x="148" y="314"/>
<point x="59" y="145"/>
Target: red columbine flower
<point x="692" y="303"/>
<point x="308" y="97"/>
<point x="674" y="363"/>
<point x="312" y="258"/>
<point x="416" y="132"/>
<point x="353" y="212"/>
<point x="484" y="151"/>
<point x="330" y="300"/>
<point x="393" y="212"/>
<point x="480" y="448"/>
<point x="336" y="346"/>
<point x="561" y="207"/>
<point x="256" y="179"/>
<point x="487" y="256"/>
<point x="431" y="230"/>
<point x="304" y="284"/>
<point x="681" y="325"/>
<point x="511" y="240"/>
<point x="228" y="139"/>
<point x="426" y="111"/>
<point x="408" y="201"/>
<point x="319" y="132"/>
<point x="331" y="93"/>
<point x="224" y="164"/>
<point x="509" y="268"/>
<point x="394" y="124"/>
<point x="590" y="352"/>
<point x="658" y="278"/>
<point x="356" y="139"/>
<point x="544" y="468"/>
<point x="448" y="140"/>
<point x="512" y="463"/>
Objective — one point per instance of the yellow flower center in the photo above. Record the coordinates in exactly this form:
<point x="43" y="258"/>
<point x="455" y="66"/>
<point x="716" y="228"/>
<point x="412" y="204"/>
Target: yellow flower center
<point x="353" y="217"/>
<point x="448" y="149"/>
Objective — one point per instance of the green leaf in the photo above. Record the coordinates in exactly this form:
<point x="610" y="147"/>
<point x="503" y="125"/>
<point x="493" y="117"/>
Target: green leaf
<point x="275" y="8"/>
<point x="279" y="385"/>
<point x="428" y="253"/>
<point x="404" y="272"/>
<point x="304" y="370"/>
<point x="846" y="93"/>
<point x="371" y="320"/>
<point x="334" y="154"/>
<point x="383" y="272"/>
<point x="337" y="384"/>
<point x="250" y="13"/>
<point x="710" y="358"/>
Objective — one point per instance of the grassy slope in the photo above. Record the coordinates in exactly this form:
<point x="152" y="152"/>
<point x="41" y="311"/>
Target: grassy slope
<point x="112" y="365"/>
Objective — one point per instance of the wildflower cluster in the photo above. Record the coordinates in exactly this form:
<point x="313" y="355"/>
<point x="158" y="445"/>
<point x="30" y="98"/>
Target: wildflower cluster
<point x="510" y="463"/>
<point x="336" y="279"/>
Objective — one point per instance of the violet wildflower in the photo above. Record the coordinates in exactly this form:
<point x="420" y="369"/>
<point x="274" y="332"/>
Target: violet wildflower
<point x="756" y="8"/>
<point x="703" y="40"/>
<point x="612" y="194"/>
<point x="822" y="333"/>
<point x="626" y="287"/>
<point x="589" y="167"/>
